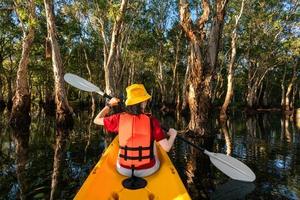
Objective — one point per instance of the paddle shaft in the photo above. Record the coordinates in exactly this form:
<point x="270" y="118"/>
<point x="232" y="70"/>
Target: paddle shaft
<point x="165" y="128"/>
<point x="190" y="143"/>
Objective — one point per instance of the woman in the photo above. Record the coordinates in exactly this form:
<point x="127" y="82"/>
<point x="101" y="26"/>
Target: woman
<point x="137" y="133"/>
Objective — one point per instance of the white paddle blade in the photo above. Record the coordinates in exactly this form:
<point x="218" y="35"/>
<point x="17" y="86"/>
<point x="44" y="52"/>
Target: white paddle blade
<point x="81" y="83"/>
<point x="232" y="167"/>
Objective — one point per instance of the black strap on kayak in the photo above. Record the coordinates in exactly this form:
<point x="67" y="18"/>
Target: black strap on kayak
<point x="132" y="170"/>
<point x="134" y="182"/>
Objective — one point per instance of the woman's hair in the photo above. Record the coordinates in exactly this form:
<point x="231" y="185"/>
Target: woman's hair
<point x="135" y="109"/>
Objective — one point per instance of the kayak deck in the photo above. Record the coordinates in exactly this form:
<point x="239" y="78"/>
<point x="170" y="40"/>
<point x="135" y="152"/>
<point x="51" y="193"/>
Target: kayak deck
<point x="104" y="182"/>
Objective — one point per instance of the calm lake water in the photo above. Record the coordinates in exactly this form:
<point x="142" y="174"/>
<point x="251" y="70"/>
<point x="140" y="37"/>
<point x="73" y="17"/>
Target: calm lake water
<point x="38" y="164"/>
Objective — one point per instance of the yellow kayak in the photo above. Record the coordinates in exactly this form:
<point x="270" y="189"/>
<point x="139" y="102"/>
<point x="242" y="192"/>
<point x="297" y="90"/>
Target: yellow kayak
<point x="104" y="182"/>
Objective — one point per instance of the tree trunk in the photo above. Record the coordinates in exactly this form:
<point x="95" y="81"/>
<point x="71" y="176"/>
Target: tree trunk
<point x="231" y="69"/>
<point x="160" y="76"/>
<point x="283" y="89"/>
<point x="63" y="110"/>
<point x="90" y="79"/>
<point x="177" y="100"/>
<point x="266" y="94"/>
<point x="202" y="66"/>
<point x="174" y="87"/>
<point x="289" y="90"/>
<point x="185" y="85"/>
<point x="9" y="93"/>
<point x="292" y="103"/>
<point x="111" y="71"/>
<point x="20" y="115"/>
<point x="2" y="102"/>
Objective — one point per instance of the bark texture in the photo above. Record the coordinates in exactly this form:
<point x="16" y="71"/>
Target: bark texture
<point x="20" y="115"/>
<point x="202" y="65"/>
<point x="63" y="110"/>
<point x="231" y="68"/>
<point x="112" y="61"/>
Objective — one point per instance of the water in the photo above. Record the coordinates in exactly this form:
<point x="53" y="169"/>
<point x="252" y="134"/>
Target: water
<point x="267" y="143"/>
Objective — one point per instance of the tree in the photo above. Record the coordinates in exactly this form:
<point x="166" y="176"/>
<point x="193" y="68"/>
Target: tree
<point x="267" y="26"/>
<point x="231" y="69"/>
<point x="112" y="52"/>
<point x="202" y="65"/>
<point x="63" y="110"/>
<point x="20" y="117"/>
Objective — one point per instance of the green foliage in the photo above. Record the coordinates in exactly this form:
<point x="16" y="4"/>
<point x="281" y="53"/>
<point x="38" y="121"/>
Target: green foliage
<point x="268" y="38"/>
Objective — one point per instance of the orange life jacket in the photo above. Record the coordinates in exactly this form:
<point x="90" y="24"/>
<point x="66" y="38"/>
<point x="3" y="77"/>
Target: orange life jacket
<point x="136" y="147"/>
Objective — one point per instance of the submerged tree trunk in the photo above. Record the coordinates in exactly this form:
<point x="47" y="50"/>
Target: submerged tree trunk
<point x="20" y="115"/>
<point x="63" y="110"/>
<point x="21" y="140"/>
<point x="231" y="69"/>
<point x="203" y="65"/>
<point x="58" y="162"/>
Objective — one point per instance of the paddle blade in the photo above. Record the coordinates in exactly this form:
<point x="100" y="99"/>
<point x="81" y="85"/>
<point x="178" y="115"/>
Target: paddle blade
<point x="232" y="167"/>
<point x="81" y="83"/>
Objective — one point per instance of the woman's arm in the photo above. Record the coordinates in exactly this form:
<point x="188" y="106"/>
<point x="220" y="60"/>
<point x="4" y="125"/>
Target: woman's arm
<point x="99" y="118"/>
<point x="167" y="144"/>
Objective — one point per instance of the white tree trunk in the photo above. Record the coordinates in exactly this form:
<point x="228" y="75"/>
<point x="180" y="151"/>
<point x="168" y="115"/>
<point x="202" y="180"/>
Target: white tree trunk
<point x="231" y="69"/>
<point x="63" y="110"/>
<point x="20" y="117"/>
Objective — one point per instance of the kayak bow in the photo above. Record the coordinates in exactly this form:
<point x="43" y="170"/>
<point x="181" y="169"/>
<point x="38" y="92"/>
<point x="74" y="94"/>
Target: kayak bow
<point x="104" y="182"/>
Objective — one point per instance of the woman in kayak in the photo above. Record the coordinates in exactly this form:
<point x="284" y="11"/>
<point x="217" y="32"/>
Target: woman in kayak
<point x="137" y="132"/>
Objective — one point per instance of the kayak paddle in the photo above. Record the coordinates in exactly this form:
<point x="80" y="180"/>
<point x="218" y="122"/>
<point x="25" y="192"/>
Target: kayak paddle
<point x="83" y="84"/>
<point x="230" y="166"/>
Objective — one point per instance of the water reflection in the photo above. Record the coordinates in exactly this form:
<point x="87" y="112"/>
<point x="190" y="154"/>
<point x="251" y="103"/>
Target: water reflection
<point x="198" y="170"/>
<point x="59" y="161"/>
<point x="267" y="143"/>
<point x="232" y="189"/>
<point x="21" y="149"/>
<point x="286" y="134"/>
<point x="89" y="133"/>
<point x="227" y="137"/>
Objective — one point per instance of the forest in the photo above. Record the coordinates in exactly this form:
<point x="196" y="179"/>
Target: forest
<point x="197" y="59"/>
<point x="192" y="56"/>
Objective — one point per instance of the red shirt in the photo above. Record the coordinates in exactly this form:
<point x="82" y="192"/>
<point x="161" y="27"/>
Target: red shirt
<point x="111" y="124"/>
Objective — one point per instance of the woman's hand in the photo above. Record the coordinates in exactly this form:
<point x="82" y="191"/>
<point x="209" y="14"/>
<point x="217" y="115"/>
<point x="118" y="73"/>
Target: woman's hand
<point x="113" y="101"/>
<point x="172" y="132"/>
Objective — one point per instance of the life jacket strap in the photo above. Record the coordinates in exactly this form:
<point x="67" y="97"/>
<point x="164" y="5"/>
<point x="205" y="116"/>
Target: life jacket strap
<point x="135" y="157"/>
<point x="139" y="149"/>
<point x="135" y="148"/>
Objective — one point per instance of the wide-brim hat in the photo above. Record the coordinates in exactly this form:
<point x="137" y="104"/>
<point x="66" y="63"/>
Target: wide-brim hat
<point x="136" y="93"/>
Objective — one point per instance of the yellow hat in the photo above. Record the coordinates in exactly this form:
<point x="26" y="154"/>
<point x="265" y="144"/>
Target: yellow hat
<point x="136" y="93"/>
